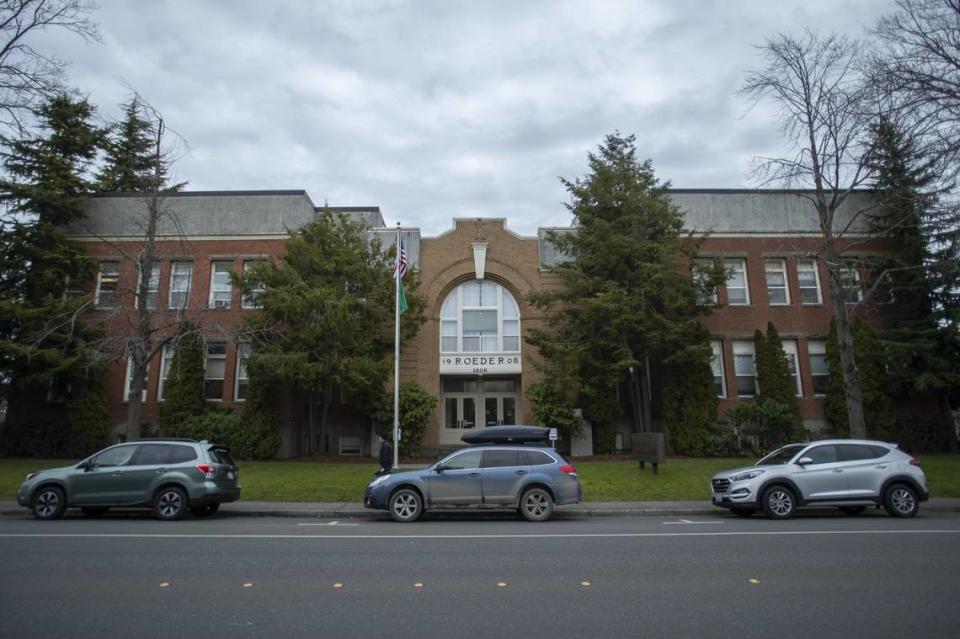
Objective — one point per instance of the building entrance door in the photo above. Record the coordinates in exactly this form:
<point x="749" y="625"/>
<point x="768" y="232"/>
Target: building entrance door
<point x="474" y="402"/>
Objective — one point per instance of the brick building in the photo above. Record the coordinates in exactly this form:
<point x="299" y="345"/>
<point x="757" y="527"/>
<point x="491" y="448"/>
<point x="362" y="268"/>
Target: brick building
<point x="476" y="278"/>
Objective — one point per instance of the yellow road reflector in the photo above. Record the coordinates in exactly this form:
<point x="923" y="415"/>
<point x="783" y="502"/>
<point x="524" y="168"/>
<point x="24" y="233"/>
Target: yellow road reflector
<point x="248" y="584"/>
<point x="164" y="584"/>
<point x="584" y="583"/>
<point x="337" y="584"/>
<point x="754" y="581"/>
<point x="501" y="584"/>
<point x="418" y="585"/>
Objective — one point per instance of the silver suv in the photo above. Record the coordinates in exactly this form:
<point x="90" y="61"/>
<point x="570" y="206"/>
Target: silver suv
<point x="170" y="476"/>
<point x="847" y="473"/>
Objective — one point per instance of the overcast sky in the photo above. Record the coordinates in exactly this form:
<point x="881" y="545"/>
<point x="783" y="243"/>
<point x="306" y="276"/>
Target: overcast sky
<point x="441" y="109"/>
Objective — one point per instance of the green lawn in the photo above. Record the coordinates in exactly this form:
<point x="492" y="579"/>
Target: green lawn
<point x="616" y="480"/>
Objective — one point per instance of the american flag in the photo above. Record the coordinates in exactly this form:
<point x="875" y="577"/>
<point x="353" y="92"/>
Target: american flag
<point x="402" y="261"/>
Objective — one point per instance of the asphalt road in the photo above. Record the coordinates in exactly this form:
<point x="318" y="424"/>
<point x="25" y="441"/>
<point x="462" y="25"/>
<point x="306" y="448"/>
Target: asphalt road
<point x="814" y="576"/>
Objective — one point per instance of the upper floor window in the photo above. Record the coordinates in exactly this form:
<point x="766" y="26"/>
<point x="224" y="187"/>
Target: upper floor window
<point x="776" y="272"/>
<point x="808" y="279"/>
<point x="480" y="317"/>
<point x="706" y="293"/>
<point x="738" y="293"/>
<point x="850" y="281"/>
<point x="108" y="280"/>
<point x="180" y="275"/>
<point x="153" y="285"/>
<point x="251" y="294"/>
<point x="221" y="288"/>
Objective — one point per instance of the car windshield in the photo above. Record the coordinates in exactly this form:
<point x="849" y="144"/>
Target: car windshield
<point x="780" y="456"/>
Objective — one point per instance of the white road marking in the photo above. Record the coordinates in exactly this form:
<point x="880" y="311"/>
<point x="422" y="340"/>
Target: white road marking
<point x="687" y="522"/>
<point x="784" y="533"/>
<point x="330" y="523"/>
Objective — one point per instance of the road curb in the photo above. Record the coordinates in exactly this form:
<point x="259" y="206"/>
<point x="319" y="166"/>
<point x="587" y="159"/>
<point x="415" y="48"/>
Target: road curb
<point x="580" y="511"/>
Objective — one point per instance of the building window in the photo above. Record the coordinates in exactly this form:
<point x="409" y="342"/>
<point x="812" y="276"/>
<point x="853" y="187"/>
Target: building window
<point x="128" y="387"/>
<point x="107" y="282"/>
<point x="744" y="368"/>
<point x="776" y="272"/>
<point x="850" y="282"/>
<point x="817" y="351"/>
<point x="215" y="365"/>
<point x="716" y="364"/>
<point x="153" y="285"/>
<point x="166" y="358"/>
<point x="251" y="295"/>
<point x="808" y="279"/>
<point x="180" y="275"/>
<point x="240" y="387"/>
<point x="480" y="317"/>
<point x="221" y="289"/>
<point x="738" y="293"/>
<point x="706" y="293"/>
<point x="790" y="350"/>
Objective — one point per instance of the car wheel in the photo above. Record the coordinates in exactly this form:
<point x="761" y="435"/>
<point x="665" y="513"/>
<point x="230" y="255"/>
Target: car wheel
<point x="406" y="505"/>
<point x="853" y="510"/>
<point x="95" y="513"/>
<point x="49" y="503"/>
<point x="204" y="511"/>
<point x="901" y="501"/>
<point x="742" y="512"/>
<point x="779" y="502"/>
<point x="170" y="503"/>
<point x="536" y="505"/>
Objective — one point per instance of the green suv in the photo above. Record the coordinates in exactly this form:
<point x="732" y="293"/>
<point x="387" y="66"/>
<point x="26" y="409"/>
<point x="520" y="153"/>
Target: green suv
<point x="170" y="476"/>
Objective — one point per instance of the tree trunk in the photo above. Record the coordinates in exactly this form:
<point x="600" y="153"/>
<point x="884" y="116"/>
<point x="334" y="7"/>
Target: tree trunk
<point x="324" y="412"/>
<point x="848" y="361"/>
<point x="135" y="401"/>
<point x="949" y="422"/>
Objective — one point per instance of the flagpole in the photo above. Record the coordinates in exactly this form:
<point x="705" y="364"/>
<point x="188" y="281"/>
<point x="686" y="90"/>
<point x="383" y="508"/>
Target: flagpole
<point x="396" y="357"/>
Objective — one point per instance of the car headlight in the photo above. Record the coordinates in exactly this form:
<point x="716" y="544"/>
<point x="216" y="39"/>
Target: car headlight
<point x="379" y="480"/>
<point x="750" y="474"/>
<point x="31" y="476"/>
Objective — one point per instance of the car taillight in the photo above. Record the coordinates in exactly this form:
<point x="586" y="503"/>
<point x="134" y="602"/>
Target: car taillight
<point x="914" y="461"/>
<point x="569" y="469"/>
<point x="207" y="470"/>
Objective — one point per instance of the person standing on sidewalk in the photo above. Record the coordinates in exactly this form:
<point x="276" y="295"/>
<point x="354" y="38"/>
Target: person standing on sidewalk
<point x="386" y="456"/>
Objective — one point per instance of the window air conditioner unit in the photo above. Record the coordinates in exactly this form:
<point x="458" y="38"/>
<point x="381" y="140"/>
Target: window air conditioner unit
<point x="221" y="303"/>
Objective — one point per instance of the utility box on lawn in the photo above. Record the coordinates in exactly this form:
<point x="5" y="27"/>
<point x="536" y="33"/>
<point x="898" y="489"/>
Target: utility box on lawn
<point x="648" y="447"/>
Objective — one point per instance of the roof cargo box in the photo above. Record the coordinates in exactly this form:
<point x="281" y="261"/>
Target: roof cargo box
<point x="507" y="435"/>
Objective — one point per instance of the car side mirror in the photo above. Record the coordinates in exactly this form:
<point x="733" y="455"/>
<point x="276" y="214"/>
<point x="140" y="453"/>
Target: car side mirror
<point x="87" y="466"/>
<point x="439" y="468"/>
<point x="803" y="461"/>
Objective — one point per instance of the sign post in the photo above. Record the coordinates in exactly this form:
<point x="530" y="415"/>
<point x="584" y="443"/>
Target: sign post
<point x="553" y="437"/>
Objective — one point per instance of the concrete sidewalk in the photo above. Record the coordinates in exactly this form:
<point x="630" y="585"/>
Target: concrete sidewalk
<point x="584" y="510"/>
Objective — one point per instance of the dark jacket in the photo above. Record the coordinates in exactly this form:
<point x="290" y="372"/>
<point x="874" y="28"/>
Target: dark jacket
<point x="386" y="455"/>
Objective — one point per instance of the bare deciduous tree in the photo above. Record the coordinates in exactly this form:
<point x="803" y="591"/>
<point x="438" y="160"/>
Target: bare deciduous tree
<point x="28" y="76"/>
<point x="919" y="65"/>
<point x="825" y="116"/>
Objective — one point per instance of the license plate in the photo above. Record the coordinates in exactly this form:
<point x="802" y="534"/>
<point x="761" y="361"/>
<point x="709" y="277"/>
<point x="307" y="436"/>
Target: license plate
<point x="717" y="499"/>
<point x="231" y="475"/>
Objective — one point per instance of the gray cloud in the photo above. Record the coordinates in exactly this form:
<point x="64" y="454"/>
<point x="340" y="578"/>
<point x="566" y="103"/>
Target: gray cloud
<point x="442" y="109"/>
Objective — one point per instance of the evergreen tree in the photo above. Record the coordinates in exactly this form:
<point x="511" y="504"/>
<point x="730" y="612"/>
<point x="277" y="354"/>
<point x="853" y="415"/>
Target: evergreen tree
<point x="183" y="388"/>
<point x="920" y="274"/>
<point x="773" y="370"/>
<point x="259" y="415"/>
<point x="875" y="382"/>
<point x="132" y="163"/>
<point x="88" y="414"/>
<point x="690" y="400"/>
<point x="327" y="314"/>
<point x="42" y="334"/>
<point x="624" y="304"/>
